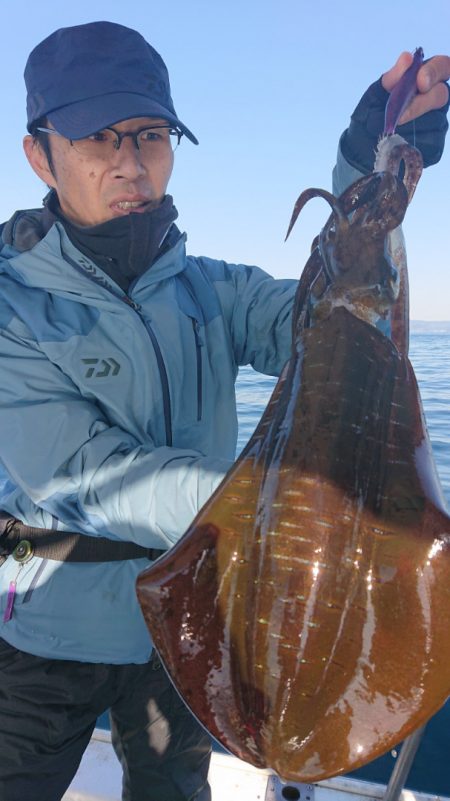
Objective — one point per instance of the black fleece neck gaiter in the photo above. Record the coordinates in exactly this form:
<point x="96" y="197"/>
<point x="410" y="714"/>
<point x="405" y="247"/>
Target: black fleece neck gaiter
<point x="124" y="247"/>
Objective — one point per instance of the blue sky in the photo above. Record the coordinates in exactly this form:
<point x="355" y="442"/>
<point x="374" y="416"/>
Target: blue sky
<point x="267" y="86"/>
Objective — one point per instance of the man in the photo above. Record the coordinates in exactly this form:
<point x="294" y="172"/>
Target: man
<point x="118" y="356"/>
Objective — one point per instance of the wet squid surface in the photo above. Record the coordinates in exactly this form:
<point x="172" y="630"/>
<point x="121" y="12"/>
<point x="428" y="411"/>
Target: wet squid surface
<point x="305" y="615"/>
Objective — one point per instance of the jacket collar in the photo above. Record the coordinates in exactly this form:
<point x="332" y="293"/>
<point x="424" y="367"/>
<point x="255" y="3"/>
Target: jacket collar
<point x="56" y="265"/>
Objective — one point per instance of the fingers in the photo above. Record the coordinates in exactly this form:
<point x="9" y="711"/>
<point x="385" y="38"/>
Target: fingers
<point x="390" y="78"/>
<point x="421" y="103"/>
<point x="434" y="71"/>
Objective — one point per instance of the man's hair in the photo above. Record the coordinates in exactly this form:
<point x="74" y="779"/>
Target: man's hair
<point x="43" y="140"/>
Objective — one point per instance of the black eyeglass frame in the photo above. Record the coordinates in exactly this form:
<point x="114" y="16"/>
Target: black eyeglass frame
<point x="120" y="136"/>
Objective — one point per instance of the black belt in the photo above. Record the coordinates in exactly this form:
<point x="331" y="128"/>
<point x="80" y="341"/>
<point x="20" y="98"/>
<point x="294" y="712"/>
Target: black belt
<point x="23" y="542"/>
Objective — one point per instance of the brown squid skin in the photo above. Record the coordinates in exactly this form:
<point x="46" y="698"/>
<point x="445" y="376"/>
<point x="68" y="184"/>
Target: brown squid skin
<point x="304" y="616"/>
<point x="392" y="153"/>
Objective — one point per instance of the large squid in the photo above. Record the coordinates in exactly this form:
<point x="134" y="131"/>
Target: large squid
<point x="305" y="615"/>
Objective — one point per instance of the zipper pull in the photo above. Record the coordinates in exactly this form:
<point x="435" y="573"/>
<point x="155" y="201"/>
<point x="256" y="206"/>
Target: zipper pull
<point x="129" y="302"/>
<point x="197" y="332"/>
<point x="10" y="602"/>
<point x="8" y="613"/>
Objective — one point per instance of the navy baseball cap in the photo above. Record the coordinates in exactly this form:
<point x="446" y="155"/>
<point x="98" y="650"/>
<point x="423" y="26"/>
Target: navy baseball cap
<point x="88" y="77"/>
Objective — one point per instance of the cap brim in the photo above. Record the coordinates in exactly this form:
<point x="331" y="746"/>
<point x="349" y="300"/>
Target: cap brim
<point x="84" y="118"/>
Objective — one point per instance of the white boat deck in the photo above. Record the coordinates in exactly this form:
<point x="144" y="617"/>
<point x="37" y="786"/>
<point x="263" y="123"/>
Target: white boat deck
<point x="99" y="779"/>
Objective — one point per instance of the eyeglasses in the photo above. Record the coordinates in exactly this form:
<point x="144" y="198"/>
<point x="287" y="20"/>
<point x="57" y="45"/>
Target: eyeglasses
<point x="102" y="144"/>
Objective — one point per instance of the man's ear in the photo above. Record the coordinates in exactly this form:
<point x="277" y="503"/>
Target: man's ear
<point x="38" y="160"/>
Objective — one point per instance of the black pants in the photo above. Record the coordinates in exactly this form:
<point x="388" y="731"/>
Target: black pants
<point x="48" y="710"/>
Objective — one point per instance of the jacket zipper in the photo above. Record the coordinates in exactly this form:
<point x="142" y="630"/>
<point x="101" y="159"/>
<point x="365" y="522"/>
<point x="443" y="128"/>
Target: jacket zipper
<point x="167" y="406"/>
<point x="164" y="382"/>
<point x="198" y="341"/>
<point x="198" y="351"/>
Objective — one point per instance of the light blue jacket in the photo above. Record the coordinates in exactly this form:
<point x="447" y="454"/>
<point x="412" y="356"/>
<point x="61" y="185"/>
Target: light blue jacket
<point x="117" y="418"/>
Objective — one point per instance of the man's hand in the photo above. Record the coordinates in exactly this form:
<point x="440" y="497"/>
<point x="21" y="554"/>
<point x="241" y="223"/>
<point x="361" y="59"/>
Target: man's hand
<point x="432" y="94"/>
<point x="423" y="123"/>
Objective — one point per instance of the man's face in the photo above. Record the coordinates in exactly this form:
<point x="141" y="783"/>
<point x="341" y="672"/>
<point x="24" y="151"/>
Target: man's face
<point x="93" y="190"/>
